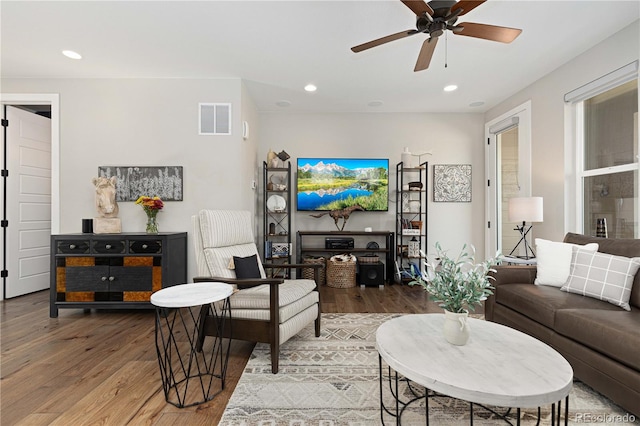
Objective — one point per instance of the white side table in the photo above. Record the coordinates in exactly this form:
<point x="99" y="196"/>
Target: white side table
<point x="191" y="374"/>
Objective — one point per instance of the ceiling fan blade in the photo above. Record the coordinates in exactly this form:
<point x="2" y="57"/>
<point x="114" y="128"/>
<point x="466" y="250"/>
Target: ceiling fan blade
<point x="418" y="7"/>
<point x="466" y="5"/>
<point x="387" y="39"/>
<point x="488" y="32"/>
<point x="426" y="52"/>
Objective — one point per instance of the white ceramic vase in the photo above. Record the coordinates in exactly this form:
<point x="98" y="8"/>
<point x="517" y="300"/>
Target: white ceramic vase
<point x="456" y="328"/>
<point x="406" y="157"/>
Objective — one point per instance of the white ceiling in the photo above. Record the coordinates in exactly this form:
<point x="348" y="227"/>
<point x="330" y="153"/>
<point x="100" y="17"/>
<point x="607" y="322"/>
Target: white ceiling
<point x="277" y="47"/>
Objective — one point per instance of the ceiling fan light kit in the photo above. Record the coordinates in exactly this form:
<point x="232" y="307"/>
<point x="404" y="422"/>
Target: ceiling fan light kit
<point x="434" y="19"/>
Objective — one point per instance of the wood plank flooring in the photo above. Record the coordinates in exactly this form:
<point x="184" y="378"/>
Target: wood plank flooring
<point x="100" y="367"/>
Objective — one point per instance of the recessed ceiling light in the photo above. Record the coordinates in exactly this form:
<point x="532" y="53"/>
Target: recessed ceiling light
<point x="476" y="104"/>
<point x="283" y="103"/>
<point x="71" y="54"/>
<point x="310" y="88"/>
<point x="375" y="103"/>
<point x="450" y="88"/>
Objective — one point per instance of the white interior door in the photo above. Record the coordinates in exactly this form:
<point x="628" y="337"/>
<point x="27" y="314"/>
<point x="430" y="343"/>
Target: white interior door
<point x="28" y="197"/>
<point x="508" y="169"/>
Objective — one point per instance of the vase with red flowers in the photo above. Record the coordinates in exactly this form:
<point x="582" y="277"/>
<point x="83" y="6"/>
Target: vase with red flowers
<point x="151" y="206"/>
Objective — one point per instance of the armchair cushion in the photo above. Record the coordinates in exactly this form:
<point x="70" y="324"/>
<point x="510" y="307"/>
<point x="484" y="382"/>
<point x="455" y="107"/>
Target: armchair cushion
<point x="246" y="267"/>
<point x="221" y="228"/>
<point x="286" y="312"/>
<point x="258" y="297"/>
<point x="217" y="259"/>
<point x="220" y="235"/>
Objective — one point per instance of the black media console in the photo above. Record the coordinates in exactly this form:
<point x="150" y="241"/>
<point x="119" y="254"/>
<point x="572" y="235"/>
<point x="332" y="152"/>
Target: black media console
<point x="336" y="242"/>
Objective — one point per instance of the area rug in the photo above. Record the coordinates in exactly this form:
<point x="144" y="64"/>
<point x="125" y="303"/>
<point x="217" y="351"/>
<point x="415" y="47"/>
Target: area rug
<point x="333" y="380"/>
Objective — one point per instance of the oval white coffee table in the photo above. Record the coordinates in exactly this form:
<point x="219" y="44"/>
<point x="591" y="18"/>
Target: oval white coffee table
<point x="190" y="373"/>
<point x="499" y="366"/>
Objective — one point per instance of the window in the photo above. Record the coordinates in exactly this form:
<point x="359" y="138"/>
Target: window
<point x="606" y="161"/>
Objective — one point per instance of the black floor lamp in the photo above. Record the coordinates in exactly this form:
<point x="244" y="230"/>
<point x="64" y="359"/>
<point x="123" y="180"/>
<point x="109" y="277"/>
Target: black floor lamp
<point x="525" y="209"/>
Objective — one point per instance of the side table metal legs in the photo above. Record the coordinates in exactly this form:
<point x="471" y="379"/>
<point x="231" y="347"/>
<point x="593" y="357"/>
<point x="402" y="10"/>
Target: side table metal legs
<point x="191" y="376"/>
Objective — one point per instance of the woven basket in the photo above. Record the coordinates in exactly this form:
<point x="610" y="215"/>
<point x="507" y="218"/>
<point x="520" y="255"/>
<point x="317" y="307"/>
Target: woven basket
<point x="341" y="273"/>
<point x="368" y="259"/>
<point x="308" y="273"/>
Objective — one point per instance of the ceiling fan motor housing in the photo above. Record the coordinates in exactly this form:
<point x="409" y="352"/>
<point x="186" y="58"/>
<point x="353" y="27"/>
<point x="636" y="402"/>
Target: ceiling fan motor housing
<point x="436" y="27"/>
<point x="441" y="8"/>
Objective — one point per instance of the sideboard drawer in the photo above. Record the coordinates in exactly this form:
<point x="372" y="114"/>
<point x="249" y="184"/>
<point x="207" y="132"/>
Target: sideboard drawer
<point x="72" y="246"/>
<point x="145" y="246"/>
<point x="109" y="246"/>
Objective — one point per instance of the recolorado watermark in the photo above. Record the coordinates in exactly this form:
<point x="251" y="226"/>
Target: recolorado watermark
<point x="604" y="418"/>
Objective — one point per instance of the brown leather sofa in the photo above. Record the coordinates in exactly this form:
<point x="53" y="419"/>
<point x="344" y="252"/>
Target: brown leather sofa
<point x="601" y="341"/>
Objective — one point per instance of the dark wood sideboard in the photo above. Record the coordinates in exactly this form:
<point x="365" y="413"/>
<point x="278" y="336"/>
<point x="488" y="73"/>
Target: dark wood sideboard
<point x="114" y="271"/>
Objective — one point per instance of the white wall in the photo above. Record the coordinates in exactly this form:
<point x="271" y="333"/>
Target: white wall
<point x="148" y="122"/>
<point x="452" y="138"/>
<point x="547" y="128"/>
<point x="155" y="122"/>
<point x="252" y="177"/>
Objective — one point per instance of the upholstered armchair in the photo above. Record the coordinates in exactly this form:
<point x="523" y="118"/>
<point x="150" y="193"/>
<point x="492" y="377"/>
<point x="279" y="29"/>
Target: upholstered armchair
<point x="268" y="310"/>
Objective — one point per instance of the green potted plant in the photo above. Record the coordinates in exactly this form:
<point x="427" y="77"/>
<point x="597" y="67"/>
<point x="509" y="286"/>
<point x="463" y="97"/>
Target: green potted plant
<point x="458" y="285"/>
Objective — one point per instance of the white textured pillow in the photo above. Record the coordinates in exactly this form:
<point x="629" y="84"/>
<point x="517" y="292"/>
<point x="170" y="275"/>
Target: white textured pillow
<point x="602" y="276"/>
<point x="553" y="260"/>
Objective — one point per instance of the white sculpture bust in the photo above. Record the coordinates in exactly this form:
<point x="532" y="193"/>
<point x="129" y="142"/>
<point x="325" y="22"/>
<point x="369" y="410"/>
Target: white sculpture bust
<point x="106" y="203"/>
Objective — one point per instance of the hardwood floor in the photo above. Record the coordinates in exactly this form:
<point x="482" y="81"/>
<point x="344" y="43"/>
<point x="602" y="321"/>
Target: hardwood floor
<point x="100" y="367"/>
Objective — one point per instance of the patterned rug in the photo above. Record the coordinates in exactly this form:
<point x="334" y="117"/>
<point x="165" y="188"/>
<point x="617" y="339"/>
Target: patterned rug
<point x="333" y="380"/>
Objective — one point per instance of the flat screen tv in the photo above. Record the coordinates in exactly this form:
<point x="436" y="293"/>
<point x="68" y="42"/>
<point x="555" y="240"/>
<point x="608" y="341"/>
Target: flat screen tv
<point x="325" y="184"/>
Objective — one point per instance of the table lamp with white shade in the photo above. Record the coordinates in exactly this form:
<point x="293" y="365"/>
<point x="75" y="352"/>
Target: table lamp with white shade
<point x="525" y="209"/>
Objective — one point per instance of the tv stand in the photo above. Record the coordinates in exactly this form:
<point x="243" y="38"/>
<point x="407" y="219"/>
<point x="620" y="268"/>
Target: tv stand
<point x="385" y="239"/>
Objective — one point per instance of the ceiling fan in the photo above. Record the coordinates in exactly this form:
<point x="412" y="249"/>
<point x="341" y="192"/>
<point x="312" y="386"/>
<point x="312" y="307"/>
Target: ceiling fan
<point x="437" y="16"/>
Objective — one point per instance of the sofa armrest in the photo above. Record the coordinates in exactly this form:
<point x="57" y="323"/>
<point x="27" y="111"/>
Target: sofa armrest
<point x="505" y="275"/>
<point x="513" y="274"/>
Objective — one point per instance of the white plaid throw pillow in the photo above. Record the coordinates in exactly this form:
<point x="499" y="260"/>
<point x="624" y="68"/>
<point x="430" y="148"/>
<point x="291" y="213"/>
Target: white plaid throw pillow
<point x="602" y="276"/>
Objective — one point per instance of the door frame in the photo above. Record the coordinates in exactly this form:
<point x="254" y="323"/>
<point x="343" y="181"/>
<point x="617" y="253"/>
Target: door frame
<point x="520" y="116"/>
<point x="52" y="99"/>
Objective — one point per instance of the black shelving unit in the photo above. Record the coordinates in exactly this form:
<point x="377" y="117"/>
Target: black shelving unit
<point x="277" y="220"/>
<point x="411" y="217"/>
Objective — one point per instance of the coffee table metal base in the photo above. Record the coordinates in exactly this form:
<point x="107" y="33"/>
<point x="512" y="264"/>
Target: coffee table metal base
<point x="190" y="374"/>
<point x="400" y="406"/>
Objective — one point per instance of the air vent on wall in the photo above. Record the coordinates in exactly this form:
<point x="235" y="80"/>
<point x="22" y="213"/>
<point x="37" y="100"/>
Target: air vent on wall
<point x="215" y="119"/>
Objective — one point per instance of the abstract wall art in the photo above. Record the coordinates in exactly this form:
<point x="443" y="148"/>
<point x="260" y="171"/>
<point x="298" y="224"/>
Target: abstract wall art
<point x="452" y="183"/>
